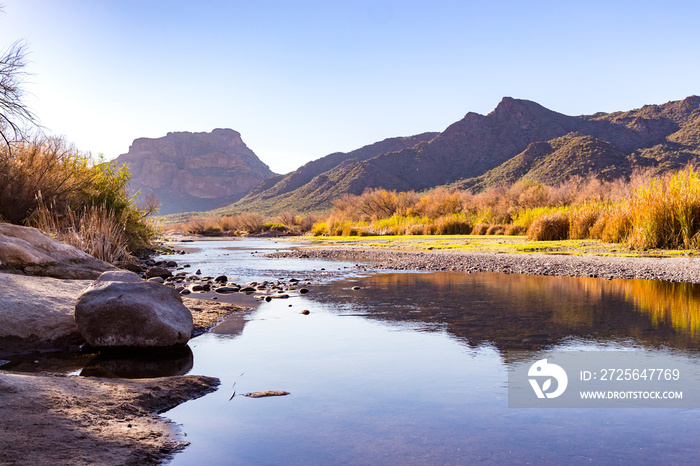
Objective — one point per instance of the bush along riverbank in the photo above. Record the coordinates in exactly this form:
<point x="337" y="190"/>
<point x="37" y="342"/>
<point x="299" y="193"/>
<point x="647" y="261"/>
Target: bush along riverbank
<point x="47" y="183"/>
<point x="642" y="212"/>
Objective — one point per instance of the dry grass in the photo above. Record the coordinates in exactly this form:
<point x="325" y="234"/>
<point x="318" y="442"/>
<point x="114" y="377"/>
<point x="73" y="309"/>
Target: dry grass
<point x="550" y="227"/>
<point x="643" y="212"/>
<point x="583" y="217"/>
<point x="89" y="204"/>
<point x="95" y="230"/>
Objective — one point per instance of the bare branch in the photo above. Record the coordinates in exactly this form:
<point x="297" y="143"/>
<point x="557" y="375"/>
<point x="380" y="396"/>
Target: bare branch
<point x="14" y="114"/>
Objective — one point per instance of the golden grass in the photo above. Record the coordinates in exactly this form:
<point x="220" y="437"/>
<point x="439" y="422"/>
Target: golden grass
<point x="95" y="230"/>
<point x="642" y="212"/>
<point x="549" y="227"/>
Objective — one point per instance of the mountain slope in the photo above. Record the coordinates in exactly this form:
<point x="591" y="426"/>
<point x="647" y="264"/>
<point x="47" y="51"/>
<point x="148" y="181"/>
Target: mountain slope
<point x="299" y="190"/>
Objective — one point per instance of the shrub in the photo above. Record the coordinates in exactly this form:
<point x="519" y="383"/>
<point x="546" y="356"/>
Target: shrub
<point x="438" y="203"/>
<point x="613" y="224"/>
<point x="48" y="173"/>
<point x="514" y="230"/>
<point x="319" y="228"/>
<point x="480" y="229"/>
<point x="582" y="219"/>
<point x="276" y="226"/>
<point x="496" y="229"/>
<point x="96" y="231"/>
<point x="549" y="227"/>
<point x="250" y="222"/>
<point x="454" y="224"/>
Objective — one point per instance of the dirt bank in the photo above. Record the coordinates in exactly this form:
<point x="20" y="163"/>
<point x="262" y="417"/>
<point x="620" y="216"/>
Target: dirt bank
<point x="53" y="419"/>
<point x="676" y="269"/>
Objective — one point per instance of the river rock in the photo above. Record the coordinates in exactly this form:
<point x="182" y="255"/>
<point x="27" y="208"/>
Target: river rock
<point x="38" y="311"/>
<point x="30" y="251"/>
<point x="158" y="272"/>
<point x="121" y="310"/>
<point x="221" y="279"/>
<point x="227" y="289"/>
<point x="134" y="268"/>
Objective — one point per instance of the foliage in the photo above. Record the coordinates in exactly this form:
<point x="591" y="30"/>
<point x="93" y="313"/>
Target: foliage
<point x="549" y="227"/>
<point x="641" y="212"/>
<point x="48" y="175"/>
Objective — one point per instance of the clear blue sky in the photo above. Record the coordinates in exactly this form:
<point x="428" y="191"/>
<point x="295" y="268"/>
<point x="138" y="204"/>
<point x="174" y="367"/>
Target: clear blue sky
<point x="301" y="79"/>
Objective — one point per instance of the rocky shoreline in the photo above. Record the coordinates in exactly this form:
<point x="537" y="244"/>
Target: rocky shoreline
<point x="677" y="269"/>
<point x="51" y="418"/>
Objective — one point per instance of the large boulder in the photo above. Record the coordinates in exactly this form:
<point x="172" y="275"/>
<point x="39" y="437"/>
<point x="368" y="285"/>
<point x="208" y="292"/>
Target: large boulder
<point x="37" y="312"/>
<point x="119" y="310"/>
<point x="30" y="251"/>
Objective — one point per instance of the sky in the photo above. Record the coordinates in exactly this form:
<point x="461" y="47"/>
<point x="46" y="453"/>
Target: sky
<point x="302" y="79"/>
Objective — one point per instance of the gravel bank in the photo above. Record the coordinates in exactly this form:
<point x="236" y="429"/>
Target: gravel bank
<point x="609" y="267"/>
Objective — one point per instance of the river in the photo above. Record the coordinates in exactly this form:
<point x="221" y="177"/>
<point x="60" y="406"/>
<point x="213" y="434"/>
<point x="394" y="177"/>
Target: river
<point x="412" y="368"/>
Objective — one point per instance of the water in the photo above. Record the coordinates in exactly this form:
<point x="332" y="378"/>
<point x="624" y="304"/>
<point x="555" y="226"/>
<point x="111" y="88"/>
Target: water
<point x="412" y="369"/>
<point x="243" y="260"/>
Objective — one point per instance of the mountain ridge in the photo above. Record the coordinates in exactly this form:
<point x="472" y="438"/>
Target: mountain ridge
<point x="519" y="139"/>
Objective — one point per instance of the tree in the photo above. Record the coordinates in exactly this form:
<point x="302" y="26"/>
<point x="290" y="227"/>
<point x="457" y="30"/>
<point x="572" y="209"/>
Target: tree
<point x="14" y="114"/>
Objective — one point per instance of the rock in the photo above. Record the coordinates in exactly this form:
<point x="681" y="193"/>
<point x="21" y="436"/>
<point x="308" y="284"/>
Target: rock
<point x="198" y="272"/>
<point x="227" y="290"/>
<point x="158" y="272"/>
<point x="121" y="310"/>
<point x="247" y="289"/>
<point x="303" y="290"/>
<point x="133" y="268"/>
<point x="39" y="310"/>
<point x="221" y="279"/>
<point x="305" y="312"/>
<point x="267" y="393"/>
<point x="30" y="251"/>
<point x="156" y="280"/>
<point x="171" y="264"/>
<point x="201" y="287"/>
<point x="355" y="288"/>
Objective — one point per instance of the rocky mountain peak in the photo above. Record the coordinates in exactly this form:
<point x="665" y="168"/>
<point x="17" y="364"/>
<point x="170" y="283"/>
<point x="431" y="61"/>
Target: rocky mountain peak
<point x="194" y="171"/>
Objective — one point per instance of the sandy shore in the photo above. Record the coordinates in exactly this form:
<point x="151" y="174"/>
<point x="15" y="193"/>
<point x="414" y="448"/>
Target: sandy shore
<point x="676" y="269"/>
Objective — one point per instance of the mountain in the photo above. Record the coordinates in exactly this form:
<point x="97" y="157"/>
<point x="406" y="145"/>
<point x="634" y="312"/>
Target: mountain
<point x="306" y="189"/>
<point x="194" y="171"/>
<point x="519" y="139"/>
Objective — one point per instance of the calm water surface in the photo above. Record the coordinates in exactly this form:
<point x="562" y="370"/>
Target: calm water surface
<point x="412" y="369"/>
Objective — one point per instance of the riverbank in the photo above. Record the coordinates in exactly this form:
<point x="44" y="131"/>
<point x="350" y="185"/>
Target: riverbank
<point x="49" y="418"/>
<point x="673" y="269"/>
<point x="53" y="419"/>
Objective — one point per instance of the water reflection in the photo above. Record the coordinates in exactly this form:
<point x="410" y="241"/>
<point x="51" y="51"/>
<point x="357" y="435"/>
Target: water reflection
<point x="520" y="312"/>
<point x="412" y="369"/>
<point x="138" y="366"/>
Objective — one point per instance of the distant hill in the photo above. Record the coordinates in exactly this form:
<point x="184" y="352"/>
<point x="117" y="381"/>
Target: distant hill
<point x="194" y="171"/>
<point x="313" y="186"/>
<point x="518" y="140"/>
